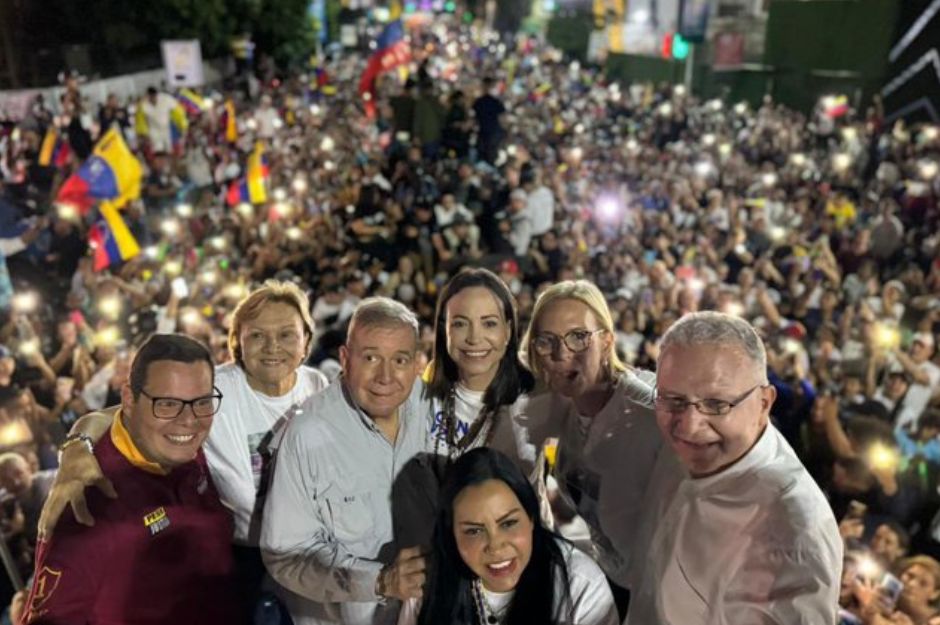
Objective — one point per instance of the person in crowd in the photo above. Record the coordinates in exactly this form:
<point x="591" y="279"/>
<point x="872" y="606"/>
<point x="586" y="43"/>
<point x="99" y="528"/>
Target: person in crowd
<point x="601" y="412"/>
<point x="28" y="489"/>
<point x="493" y="561"/>
<point x="732" y="478"/>
<point x="181" y="558"/>
<point x="351" y="501"/>
<point x="475" y="379"/>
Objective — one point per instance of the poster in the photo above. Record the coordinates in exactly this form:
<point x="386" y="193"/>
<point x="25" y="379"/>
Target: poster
<point x="183" y="63"/>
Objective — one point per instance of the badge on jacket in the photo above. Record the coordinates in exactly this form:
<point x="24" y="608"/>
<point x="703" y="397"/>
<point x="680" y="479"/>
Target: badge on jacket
<point x="157" y="521"/>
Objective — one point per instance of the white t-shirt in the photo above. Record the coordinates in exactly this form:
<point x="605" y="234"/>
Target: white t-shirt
<point x="918" y="396"/>
<point x="242" y="440"/>
<point x="541" y="208"/>
<point x="591" y="600"/>
<point x="500" y="432"/>
<point x="158" y="121"/>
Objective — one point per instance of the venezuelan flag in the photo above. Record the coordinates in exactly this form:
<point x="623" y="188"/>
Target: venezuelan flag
<point x="191" y="101"/>
<point x="251" y="188"/>
<point x="110" y="173"/>
<point x="179" y="124"/>
<point x="111" y="239"/>
<point x="229" y="122"/>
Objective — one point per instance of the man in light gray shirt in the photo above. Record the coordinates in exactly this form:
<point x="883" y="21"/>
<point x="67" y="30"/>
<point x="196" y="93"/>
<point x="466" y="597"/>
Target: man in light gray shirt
<point x="352" y="498"/>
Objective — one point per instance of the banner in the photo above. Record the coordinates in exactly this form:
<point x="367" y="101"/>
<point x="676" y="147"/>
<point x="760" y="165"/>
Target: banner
<point x="183" y="63"/>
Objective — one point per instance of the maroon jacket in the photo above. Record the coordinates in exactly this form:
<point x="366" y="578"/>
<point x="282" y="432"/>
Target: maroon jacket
<point x="160" y="553"/>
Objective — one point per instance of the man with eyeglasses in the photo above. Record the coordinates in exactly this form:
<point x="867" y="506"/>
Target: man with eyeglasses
<point x="736" y="530"/>
<point x="161" y="553"/>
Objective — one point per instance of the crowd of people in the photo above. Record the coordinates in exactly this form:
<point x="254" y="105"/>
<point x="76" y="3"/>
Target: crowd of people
<point x="820" y="230"/>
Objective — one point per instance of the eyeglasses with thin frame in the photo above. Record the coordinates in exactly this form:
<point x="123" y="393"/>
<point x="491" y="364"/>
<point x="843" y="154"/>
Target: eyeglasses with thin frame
<point x="708" y="406"/>
<point x="169" y="408"/>
<point x="576" y="341"/>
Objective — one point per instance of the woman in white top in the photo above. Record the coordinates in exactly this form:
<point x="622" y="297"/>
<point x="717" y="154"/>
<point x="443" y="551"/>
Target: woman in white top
<point x="475" y="379"/>
<point x="602" y="413"/>
<point x="494" y="563"/>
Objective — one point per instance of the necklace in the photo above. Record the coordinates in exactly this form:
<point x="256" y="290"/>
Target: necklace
<point x="485" y="614"/>
<point x="455" y="447"/>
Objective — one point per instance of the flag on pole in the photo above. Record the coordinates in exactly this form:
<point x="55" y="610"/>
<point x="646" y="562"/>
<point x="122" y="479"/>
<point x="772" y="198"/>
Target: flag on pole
<point x="110" y="173"/>
<point x="191" y="101"/>
<point x="54" y="151"/>
<point x="251" y="187"/>
<point x="111" y="239"/>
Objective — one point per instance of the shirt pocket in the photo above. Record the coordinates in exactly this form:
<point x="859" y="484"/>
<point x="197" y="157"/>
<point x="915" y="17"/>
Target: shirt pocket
<point x="351" y="516"/>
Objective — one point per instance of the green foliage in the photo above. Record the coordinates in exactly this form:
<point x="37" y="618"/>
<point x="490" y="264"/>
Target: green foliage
<point x="117" y="29"/>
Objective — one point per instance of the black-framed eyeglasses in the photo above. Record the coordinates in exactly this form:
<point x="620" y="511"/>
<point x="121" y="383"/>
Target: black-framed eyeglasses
<point x="576" y="341"/>
<point x="171" y="407"/>
<point x="708" y="406"/>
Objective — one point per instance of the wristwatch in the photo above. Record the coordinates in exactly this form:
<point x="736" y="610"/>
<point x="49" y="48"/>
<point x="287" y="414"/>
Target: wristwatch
<point x="78" y="438"/>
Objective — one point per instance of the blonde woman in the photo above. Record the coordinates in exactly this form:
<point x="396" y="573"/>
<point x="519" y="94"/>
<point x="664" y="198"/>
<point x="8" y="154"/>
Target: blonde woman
<point x="602" y="412"/>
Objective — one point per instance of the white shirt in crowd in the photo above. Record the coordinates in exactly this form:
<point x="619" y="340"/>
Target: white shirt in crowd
<point x="242" y="439"/>
<point x="157" y="115"/>
<point x="541" y="208"/>
<point x="918" y="396"/>
<point x="591" y="601"/>
<point x="755" y="543"/>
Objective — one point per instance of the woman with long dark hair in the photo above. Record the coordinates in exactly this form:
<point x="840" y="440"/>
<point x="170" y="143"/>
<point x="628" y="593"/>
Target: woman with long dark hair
<point x="494" y="563"/>
<point x="476" y="378"/>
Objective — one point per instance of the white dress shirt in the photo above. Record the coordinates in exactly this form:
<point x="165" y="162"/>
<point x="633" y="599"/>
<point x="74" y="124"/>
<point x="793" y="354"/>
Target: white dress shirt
<point x="754" y="544"/>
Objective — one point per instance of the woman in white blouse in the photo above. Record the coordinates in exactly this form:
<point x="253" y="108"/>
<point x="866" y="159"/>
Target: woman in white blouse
<point x="494" y="563"/>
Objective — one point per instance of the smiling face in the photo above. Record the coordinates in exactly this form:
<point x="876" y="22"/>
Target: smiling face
<point x="168" y="442"/>
<point x="380" y="367"/>
<point x="273" y="345"/>
<point x="708" y="444"/>
<point x="477" y="335"/>
<point x="493" y="534"/>
<point x="568" y="373"/>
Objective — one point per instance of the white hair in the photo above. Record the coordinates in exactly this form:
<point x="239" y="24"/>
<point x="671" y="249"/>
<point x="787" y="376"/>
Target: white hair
<point x="383" y="312"/>
<point x="714" y="328"/>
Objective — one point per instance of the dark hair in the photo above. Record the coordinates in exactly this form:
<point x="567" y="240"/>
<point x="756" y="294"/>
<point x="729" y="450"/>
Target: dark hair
<point x="904" y="539"/>
<point x="174" y="347"/>
<point x="449" y="597"/>
<point x="512" y="378"/>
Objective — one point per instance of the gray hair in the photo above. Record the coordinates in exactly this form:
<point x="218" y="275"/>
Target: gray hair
<point x="382" y="312"/>
<point x="714" y="328"/>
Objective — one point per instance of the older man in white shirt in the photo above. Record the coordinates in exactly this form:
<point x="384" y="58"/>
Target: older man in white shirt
<point x="737" y="531"/>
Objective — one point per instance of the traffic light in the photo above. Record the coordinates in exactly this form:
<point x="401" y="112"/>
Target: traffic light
<point x="680" y="47"/>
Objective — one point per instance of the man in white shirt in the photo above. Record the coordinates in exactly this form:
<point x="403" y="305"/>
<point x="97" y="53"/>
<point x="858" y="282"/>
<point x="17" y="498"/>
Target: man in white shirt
<point x="353" y="493"/>
<point x="156" y="107"/>
<point x="924" y="376"/>
<point x="736" y="530"/>
<point x="540" y="205"/>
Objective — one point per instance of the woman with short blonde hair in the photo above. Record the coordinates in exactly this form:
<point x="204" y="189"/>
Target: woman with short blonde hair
<point x="601" y="411"/>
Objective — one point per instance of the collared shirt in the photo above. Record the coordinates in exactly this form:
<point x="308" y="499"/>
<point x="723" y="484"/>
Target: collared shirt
<point x="756" y="543"/>
<point x="343" y="502"/>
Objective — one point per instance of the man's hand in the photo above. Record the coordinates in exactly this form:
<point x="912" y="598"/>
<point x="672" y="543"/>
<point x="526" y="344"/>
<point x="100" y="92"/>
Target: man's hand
<point x="405" y="578"/>
<point x="78" y="470"/>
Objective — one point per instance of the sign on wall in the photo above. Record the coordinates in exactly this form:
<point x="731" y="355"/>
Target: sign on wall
<point x="183" y="63"/>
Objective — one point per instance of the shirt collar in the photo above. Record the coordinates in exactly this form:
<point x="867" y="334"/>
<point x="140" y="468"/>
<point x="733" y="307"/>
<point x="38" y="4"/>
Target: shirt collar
<point x="757" y="456"/>
<point x="125" y="445"/>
